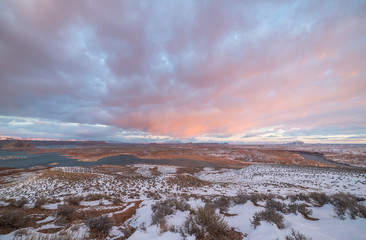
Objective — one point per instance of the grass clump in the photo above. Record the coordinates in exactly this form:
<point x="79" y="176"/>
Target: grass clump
<point x="40" y="202"/>
<point x="241" y="198"/>
<point x="21" y="202"/>
<point x="276" y="205"/>
<point x="73" y="200"/>
<point x="347" y="204"/>
<point x="100" y="226"/>
<point x="13" y="218"/>
<point x="296" y="235"/>
<point x="320" y="199"/>
<point x="167" y="207"/>
<point x="97" y="196"/>
<point x="221" y="203"/>
<point x="269" y="215"/>
<point x="65" y="214"/>
<point x="206" y="224"/>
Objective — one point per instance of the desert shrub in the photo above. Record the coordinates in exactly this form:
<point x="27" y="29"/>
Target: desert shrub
<point x="101" y="225"/>
<point x="167" y="207"/>
<point x="300" y="197"/>
<point x="241" y="198"/>
<point x="97" y="196"/>
<point x="304" y="210"/>
<point x="276" y="205"/>
<point x="256" y="197"/>
<point x="128" y="231"/>
<point x="116" y="201"/>
<point x="13" y="218"/>
<point x="347" y="203"/>
<point x="205" y="224"/>
<point x="222" y="203"/>
<point x="65" y="213"/>
<point x="73" y="200"/>
<point x="153" y="195"/>
<point x="320" y="198"/>
<point x="21" y="202"/>
<point x="40" y="202"/>
<point x="269" y="215"/>
<point x="296" y="235"/>
<point x="292" y="208"/>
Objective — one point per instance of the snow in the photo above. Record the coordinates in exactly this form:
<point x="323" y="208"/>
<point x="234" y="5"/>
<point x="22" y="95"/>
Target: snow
<point x="135" y="185"/>
<point x="47" y="219"/>
<point x="167" y="170"/>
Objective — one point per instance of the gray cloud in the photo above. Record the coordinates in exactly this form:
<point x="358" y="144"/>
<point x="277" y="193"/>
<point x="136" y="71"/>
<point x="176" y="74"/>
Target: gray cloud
<point x="185" y="68"/>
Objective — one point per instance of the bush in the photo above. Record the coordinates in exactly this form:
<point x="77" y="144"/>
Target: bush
<point x="167" y="207"/>
<point x="269" y="215"/>
<point x="205" y="224"/>
<point x="101" y="225"/>
<point x="97" y="196"/>
<point x="128" y="231"/>
<point x="65" y="212"/>
<point x="347" y="203"/>
<point x="241" y="198"/>
<point x="300" y="197"/>
<point x="276" y="205"/>
<point x="222" y="203"/>
<point x="320" y="198"/>
<point x="21" y="202"/>
<point x="40" y="202"/>
<point x="296" y="235"/>
<point x="13" y="218"/>
<point x="74" y="200"/>
<point x="304" y="210"/>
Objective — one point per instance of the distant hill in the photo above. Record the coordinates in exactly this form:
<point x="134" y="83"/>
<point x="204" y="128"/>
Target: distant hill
<point x="39" y="143"/>
<point x="18" y="144"/>
<point x="295" y="143"/>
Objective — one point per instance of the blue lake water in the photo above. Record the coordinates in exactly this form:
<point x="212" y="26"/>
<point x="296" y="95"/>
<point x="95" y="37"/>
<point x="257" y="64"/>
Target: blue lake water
<point x="17" y="159"/>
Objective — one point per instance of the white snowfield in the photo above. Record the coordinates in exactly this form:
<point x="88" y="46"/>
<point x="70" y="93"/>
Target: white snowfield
<point x="142" y="184"/>
<point x="283" y="179"/>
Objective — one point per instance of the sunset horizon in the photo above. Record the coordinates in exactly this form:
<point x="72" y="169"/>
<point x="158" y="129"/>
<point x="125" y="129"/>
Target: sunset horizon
<point x="183" y="71"/>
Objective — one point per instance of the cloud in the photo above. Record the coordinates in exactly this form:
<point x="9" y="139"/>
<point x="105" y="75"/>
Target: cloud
<point x="184" y="69"/>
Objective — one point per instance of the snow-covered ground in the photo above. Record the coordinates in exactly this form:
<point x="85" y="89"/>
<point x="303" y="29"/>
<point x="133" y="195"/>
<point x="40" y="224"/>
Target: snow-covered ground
<point x="139" y="188"/>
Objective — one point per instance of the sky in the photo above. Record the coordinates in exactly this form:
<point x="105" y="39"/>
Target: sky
<point x="188" y="71"/>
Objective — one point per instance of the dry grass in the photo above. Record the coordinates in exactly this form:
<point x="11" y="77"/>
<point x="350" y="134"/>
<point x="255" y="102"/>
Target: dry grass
<point x="269" y="215"/>
<point x="206" y="224"/>
<point x="187" y="181"/>
<point x="69" y="177"/>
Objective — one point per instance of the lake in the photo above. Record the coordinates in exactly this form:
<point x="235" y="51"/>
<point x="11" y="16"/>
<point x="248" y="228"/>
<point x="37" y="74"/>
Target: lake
<point x="17" y="159"/>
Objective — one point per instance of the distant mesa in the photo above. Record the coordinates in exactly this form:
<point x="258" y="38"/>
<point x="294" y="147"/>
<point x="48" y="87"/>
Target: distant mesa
<point x="296" y="143"/>
<point x="18" y="145"/>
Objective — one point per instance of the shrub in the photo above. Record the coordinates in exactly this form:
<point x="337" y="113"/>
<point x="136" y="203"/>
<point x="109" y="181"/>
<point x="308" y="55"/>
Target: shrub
<point x="304" y="210"/>
<point x="269" y="215"/>
<point x="205" y="224"/>
<point x="40" y="202"/>
<point x="13" y="218"/>
<point x="73" y="200"/>
<point x="276" y="205"/>
<point x="347" y="203"/>
<point x="101" y="225"/>
<point x="241" y="198"/>
<point x="97" y="196"/>
<point x="292" y="208"/>
<point x="65" y="212"/>
<point x="128" y="231"/>
<point x="300" y="197"/>
<point x="167" y="207"/>
<point x="222" y="203"/>
<point x="296" y="235"/>
<point x="320" y="198"/>
<point x="255" y="197"/>
<point x="21" y="202"/>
